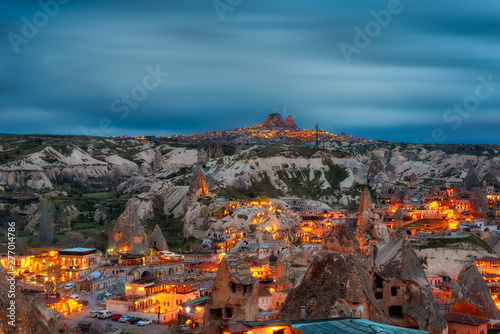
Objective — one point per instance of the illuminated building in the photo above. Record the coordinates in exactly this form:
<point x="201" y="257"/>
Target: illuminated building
<point x="148" y="296"/>
<point x="64" y="306"/>
<point x="72" y="263"/>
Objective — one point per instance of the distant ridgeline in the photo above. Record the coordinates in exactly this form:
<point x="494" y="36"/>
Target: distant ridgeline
<point x="274" y="130"/>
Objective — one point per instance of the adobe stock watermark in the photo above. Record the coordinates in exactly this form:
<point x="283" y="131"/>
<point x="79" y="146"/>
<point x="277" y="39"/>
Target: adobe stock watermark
<point x="30" y="28"/>
<point x="223" y="6"/>
<point x="455" y="115"/>
<point x="372" y="29"/>
<point x="126" y="101"/>
<point x="11" y="280"/>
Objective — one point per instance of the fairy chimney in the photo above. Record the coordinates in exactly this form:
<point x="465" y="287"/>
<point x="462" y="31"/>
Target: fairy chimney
<point x="198" y="187"/>
<point x="157" y="240"/>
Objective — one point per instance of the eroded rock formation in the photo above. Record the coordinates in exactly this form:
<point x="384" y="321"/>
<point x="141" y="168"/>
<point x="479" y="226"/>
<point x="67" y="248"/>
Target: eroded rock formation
<point x="413" y="180"/>
<point x="276" y="121"/>
<point x="471" y="181"/>
<point x="289" y="123"/>
<point x="401" y="288"/>
<point x="479" y="202"/>
<point x="235" y="294"/>
<point x="364" y="230"/>
<point x="292" y="264"/>
<point x="388" y="281"/>
<point x="128" y="235"/>
<point x="198" y="187"/>
<point x="157" y="240"/>
<point x="471" y="295"/>
<point x="334" y="278"/>
<point x="376" y="167"/>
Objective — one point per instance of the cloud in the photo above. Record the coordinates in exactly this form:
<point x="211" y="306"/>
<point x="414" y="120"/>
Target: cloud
<point x="262" y="56"/>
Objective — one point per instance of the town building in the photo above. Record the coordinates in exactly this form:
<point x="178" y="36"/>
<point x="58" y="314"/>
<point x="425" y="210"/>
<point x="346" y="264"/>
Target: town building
<point x="332" y="325"/>
<point x="459" y="323"/>
<point x="149" y="296"/>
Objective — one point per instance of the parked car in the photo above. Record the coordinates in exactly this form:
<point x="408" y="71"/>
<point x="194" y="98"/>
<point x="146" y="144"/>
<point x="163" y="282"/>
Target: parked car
<point x="109" y="295"/>
<point x="134" y="320"/>
<point x="74" y="297"/>
<point x="84" y="326"/>
<point x="104" y="314"/>
<point x="102" y="303"/>
<point x="93" y="313"/>
<point x="100" y="296"/>
<point x="145" y="322"/>
<point x="83" y="302"/>
<point x="69" y="286"/>
<point x="116" y="317"/>
<point x="184" y="328"/>
<point x="124" y="318"/>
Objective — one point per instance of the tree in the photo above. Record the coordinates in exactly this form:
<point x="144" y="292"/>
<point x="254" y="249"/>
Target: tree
<point x="46" y="222"/>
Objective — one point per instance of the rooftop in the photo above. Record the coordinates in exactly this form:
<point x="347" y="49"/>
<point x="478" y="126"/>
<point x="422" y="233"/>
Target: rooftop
<point x="465" y="319"/>
<point x="77" y="249"/>
<point x="488" y="259"/>
<point x="333" y="325"/>
<point x="349" y="326"/>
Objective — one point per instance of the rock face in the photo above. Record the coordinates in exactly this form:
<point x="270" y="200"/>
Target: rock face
<point x="128" y="235"/>
<point x="398" y="219"/>
<point x="364" y="231"/>
<point x="390" y="170"/>
<point x="29" y="318"/>
<point x="413" y="180"/>
<point x="289" y="123"/>
<point x="479" y="202"/>
<point x="471" y="295"/>
<point x="292" y="264"/>
<point x="158" y="162"/>
<point x="336" y="278"/>
<point x="276" y="121"/>
<point x="376" y="167"/>
<point x="198" y="187"/>
<point x="398" y="198"/>
<point x="401" y="288"/>
<point x="157" y="240"/>
<point x="340" y="237"/>
<point x="389" y="282"/>
<point x="333" y="279"/>
<point x="215" y="151"/>
<point x="489" y="179"/>
<point x="235" y="294"/>
<point x="471" y="181"/>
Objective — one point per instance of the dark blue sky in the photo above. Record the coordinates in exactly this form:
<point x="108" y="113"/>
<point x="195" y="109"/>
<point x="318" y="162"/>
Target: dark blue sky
<point x="76" y="72"/>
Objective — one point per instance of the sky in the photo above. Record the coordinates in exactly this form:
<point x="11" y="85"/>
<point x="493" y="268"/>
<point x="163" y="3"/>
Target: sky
<point x="405" y="71"/>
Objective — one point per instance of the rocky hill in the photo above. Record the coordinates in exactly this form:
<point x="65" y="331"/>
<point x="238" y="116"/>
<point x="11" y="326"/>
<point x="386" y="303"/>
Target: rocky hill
<point x="378" y="279"/>
<point x="88" y="182"/>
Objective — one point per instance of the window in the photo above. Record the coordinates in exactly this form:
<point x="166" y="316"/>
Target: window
<point x="396" y="312"/>
<point x="229" y="312"/>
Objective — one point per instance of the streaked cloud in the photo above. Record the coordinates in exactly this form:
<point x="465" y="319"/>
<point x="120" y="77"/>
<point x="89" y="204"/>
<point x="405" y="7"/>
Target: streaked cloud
<point x="264" y="55"/>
